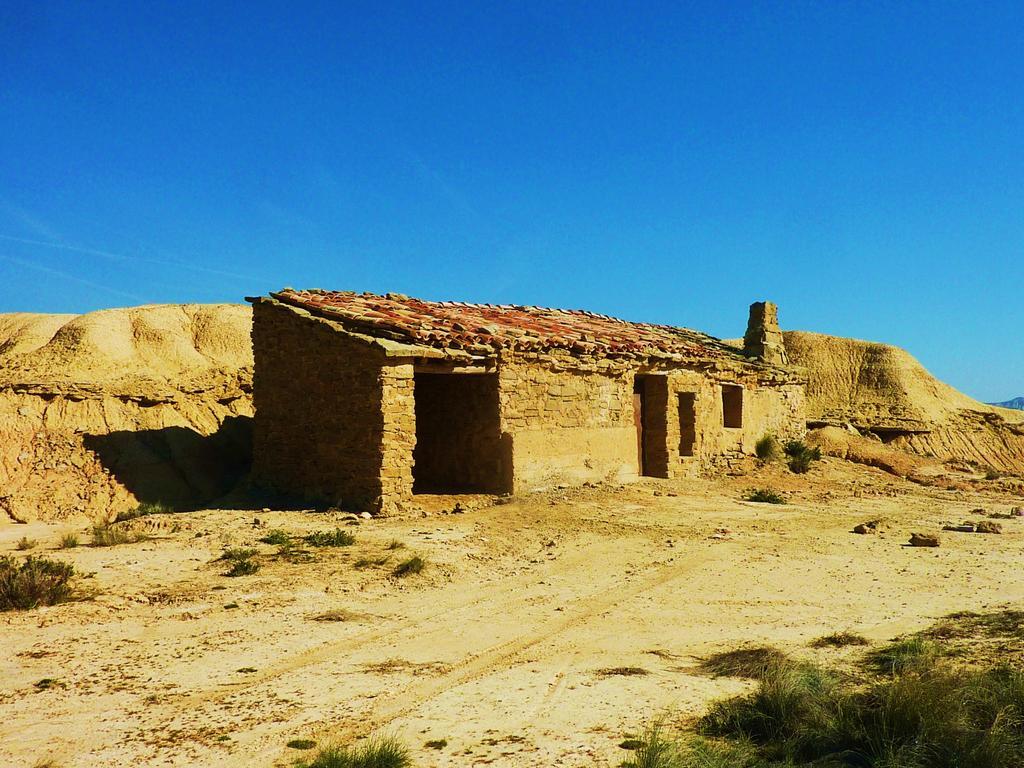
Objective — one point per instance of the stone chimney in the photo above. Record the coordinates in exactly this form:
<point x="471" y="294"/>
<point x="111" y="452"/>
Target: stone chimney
<point x="763" y="338"/>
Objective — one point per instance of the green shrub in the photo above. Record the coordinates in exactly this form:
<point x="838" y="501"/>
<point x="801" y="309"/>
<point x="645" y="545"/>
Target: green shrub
<point x="301" y="744"/>
<point x="111" y="535"/>
<point x="801" y="456"/>
<point x="242" y="568"/>
<point x="335" y="538"/>
<point x="144" y="509"/>
<point x="929" y="716"/>
<point x="277" y="537"/>
<point x="840" y="640"/>
<point x="768" y="448"/>
<point x="237" y="553"/>
<point x="382" y="752"/>
<point x="750" y="662"/>
<point x="655" y="750"/>
<point x="409" y="567"/>
<point x="34" y="582"/>
<point x="25" y="543"/>
<point x="765" y="496"/>
<point x="69" y="541"/>
<point x="904" y="655"/>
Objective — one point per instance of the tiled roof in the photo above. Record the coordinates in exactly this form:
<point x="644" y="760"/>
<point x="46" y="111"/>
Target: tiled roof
<point x="483" y="329"/>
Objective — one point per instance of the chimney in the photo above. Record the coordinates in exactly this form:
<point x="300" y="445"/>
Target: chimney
<point x="763" y="338"/>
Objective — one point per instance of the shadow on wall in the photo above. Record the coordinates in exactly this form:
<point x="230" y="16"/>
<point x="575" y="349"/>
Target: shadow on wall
<point x="178" y="466"/>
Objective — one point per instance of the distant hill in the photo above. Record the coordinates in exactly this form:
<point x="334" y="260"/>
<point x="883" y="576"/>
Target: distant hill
<point x="1017" y="402"/>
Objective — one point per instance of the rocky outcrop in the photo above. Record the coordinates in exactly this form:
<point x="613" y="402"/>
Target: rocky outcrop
<point x="99" y="412"/>
<point x="883" y="391"/>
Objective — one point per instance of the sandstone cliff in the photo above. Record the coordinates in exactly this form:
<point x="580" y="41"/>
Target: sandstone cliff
<point x="885" y="391"/>
<point x="101" y="411"/>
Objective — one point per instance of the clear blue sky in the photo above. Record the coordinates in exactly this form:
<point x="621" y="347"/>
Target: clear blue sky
<point x="862" y="164"/>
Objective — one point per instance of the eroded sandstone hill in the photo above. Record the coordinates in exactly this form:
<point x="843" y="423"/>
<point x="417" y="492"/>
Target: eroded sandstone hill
<point x="885" y="391"/>
<point x="101" y="411"/>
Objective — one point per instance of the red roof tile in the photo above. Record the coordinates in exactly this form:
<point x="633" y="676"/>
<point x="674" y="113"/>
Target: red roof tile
<point x="485" y="328"/>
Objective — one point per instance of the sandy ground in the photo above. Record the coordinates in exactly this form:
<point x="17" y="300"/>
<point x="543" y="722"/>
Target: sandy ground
<point x="499" y="646"/>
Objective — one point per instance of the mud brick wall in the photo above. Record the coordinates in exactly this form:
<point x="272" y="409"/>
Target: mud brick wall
<point x="566" y="425"/>
<point x="319" y="424"/>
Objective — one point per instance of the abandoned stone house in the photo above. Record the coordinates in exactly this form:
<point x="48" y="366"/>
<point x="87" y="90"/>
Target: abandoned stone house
<point x="364" y="400"/>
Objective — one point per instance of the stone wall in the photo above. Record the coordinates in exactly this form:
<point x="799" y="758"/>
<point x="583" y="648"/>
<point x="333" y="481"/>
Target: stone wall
<point x="564" y="424"/>
<point x="569" y="425"/>
<point x="320" y="427"/>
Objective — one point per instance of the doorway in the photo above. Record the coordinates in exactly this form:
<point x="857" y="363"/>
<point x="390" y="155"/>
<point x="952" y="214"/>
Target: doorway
<point x="687" y="423"/>
<point x="650" y="417"/>
<point x="459" y="448"/>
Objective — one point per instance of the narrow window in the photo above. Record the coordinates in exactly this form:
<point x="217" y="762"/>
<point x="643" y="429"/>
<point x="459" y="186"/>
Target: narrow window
<point x="687" y="423"/>
<point x="732" y="406"/>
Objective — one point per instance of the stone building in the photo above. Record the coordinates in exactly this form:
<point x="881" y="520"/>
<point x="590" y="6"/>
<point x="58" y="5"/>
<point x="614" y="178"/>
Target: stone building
<point x="364" y="401"/>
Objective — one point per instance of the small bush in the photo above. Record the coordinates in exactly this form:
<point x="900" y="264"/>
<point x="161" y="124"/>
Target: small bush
<point x="655" y="750"/>
<point x="25" y="543"/>
<point x="385" y="752"/>
<point x="992" y="474"/>
<point x="801" y="456"/>
<point x="751" y="662"/>
<point x="243" y="568"/>
<point x="765" y="496"/>
<point x="112" y="535"/>
<point x="840" y="640"/>
<point x="69" y="541"/>
<point x="904" y="655"/>
<point x="238" y="553"/>
<point x="367" y="562"/>
<point x="436" y="744"/>
<point x="301" y="744"/>
<point x="395" y="544"/>
<point x="335" y="538"/>
<point x="622" y="672"/>
<point x="768" y="448"/>
<point x="277" y="537"/>
<point x="144" y="509"/>
<point x="409" y="567"/>
<point x="34" y="582"/>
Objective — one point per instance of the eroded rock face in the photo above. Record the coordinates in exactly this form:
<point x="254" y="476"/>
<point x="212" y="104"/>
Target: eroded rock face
<point x="100" y="412"/>
<point x="883" y="391"/>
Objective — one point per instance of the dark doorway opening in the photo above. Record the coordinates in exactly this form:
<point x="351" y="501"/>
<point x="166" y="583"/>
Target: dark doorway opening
<point x="732" y="406"/>
<point x="459" y="448"/>
<point x="650" y="415"/>
<point x="687" y="423"/>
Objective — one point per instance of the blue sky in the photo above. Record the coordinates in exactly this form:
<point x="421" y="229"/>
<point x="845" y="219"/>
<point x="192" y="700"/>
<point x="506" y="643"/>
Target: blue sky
<point x="861" y="164"/>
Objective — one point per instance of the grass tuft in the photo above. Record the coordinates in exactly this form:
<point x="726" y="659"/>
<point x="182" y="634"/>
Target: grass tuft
<point x="69" y="541"/>
<point x="840" y="640"/>
<point x="380" y="752"/>
<point x="654" y="750"/>
<point x="765" y="496"/>
<point x="409" y="567"/>
<point x="436" y="744"/>
<point x="25" y="543"/>
<point x="801" y="456"/>
<point x="768" y="448"/>
<point x="144" y="509"/>
<point x="301" y="744"/>
<point x="749" y="662"/>
<point x="36" y="581"/>
<point x="335" y="538"/>
<point x="277" y="537"/>
<point x="242" y="568"/>
<point x="904" y="655"/>
<point x="111" y="535"/>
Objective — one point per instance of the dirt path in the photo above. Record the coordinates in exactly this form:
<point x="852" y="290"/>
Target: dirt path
<point x="506" y="646"/>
